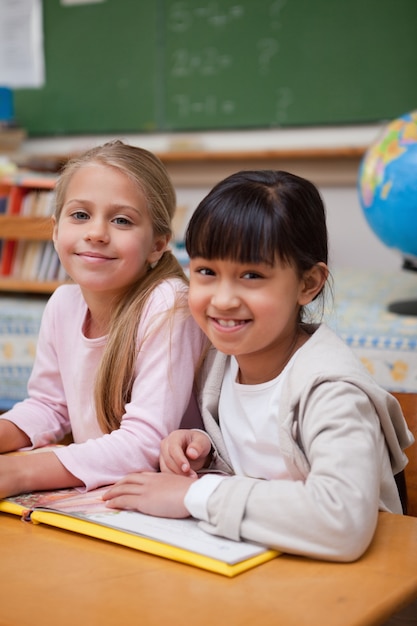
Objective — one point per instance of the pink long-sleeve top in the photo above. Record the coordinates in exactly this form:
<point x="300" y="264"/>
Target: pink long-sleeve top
<point x="61" y="386"/>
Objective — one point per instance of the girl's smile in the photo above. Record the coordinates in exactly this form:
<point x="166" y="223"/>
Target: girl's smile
<point x="230" y="323"/>
<point x="94" y="256"/>
<point x="250" y="311"/>
<point x="104" y="235"/>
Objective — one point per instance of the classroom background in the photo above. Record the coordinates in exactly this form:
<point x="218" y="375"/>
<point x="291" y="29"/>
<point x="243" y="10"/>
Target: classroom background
<point x="309" y="84"/>
<point x="215" y="87"/>
<point x="212" y="87"/>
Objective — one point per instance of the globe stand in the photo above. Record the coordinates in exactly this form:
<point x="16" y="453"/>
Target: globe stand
<point x="405" y="307"/>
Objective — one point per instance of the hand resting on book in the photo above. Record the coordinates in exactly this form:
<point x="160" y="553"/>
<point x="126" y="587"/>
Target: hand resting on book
<point x="153" y="493"/>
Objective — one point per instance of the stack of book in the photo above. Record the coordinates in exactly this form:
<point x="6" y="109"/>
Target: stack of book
<point x="29" y="260"/>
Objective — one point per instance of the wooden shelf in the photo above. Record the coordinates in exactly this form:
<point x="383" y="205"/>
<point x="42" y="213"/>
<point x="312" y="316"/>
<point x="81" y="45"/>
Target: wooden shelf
<point x="27" y="286"/>
<point x="184" y="156"/>
<point x="30" y="180"/>
<point x="33" y="229"/>
<point x="20" y="227"/>
<point x="323" y="166"/>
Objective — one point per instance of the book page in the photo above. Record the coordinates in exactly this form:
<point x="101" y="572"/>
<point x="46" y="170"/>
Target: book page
<point x="181" y="533"/>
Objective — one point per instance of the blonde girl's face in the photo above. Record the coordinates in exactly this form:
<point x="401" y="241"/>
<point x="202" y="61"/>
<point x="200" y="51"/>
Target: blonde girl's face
<point x="104" y="235"/>
<point x="250" y="310"/>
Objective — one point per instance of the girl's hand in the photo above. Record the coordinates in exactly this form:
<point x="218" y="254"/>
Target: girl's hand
<point x="10" y="477"/>
<point x="185" y="452"/>
<point x="152" y="493"/>
<point x="35" y="470"/>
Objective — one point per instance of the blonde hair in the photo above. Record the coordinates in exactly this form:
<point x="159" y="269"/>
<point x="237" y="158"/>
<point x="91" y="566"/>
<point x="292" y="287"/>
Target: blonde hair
<point x="116" y="374"/>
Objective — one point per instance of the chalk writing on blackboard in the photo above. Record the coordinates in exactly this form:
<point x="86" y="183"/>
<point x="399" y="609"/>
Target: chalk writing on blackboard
<point x="283" y="102"/>
<point x="182" y="15"/>
<point x="207" y="106"/>
<point x="207" y="62"/>
<point x="223" y="61"/>
<point x="267" y="49"/>
<point x="221" y="64"/>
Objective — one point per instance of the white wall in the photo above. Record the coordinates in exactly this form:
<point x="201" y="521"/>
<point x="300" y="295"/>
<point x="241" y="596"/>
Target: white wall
<point x="352" y="242"/>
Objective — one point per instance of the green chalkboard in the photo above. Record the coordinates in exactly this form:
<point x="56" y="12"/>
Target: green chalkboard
<point x="100" y="62"/>
<point x="121" y="66"/>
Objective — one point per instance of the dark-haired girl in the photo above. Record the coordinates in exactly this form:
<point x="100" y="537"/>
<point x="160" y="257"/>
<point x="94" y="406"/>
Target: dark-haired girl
<point x="300" y="445"/>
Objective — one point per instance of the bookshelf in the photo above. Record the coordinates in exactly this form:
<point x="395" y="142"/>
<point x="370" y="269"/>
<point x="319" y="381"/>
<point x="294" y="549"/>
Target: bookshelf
<point x="28" y="261"/>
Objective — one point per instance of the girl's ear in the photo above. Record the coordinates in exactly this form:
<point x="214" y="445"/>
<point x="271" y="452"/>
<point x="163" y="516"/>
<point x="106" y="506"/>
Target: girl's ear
<point x="313" y="282"/>
<point x="160" y="244"/>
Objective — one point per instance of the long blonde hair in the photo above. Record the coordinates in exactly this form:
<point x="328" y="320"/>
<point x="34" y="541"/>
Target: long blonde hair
<point x="115" y="377"/>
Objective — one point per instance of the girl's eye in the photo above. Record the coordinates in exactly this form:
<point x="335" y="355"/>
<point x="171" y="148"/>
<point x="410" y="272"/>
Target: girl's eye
<point x="79" y="215"/>
<point x="251" y="275"/>
<point x="205" y="271"/>
<point x="122" y="221"/>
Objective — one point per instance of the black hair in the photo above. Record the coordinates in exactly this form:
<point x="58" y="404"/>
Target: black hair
<point x="258" y="217"/>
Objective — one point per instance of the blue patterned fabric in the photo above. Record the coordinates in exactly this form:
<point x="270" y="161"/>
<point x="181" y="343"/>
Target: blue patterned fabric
<point x="385" y="342"/>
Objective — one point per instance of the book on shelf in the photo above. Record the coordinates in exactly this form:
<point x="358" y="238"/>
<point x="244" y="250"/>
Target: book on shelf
<point x="22" y="259"/>
<point x="9" y="247"/>
<point x="53" y="267"/>
<point x="28" y="204"/>
<point x="38" y="203"/>
<point x="31" y="259"/>
<point x="3" y="199"/>
<point x="19" y="256"/>
<point x="45" y="261"/>
<point x="37" y="260"/>
<point x="176" y="539"/>
<point x="62" y="275"/>
<point x="4" y="193"/>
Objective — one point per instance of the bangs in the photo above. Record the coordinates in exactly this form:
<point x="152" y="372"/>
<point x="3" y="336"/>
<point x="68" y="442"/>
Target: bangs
<point x="241" y="227"/>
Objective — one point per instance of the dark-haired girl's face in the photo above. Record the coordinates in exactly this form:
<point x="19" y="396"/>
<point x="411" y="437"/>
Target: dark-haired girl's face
<point x="248" y="310"/>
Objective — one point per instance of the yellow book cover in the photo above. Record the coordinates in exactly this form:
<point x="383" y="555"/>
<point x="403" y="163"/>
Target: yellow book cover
<point x="176" y="539"/>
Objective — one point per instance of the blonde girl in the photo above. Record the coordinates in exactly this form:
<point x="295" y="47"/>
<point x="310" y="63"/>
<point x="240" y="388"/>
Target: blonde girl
<point x="117" y="348"/>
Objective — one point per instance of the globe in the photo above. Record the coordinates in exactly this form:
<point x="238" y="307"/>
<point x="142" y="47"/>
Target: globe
<point x="387" y="186"/>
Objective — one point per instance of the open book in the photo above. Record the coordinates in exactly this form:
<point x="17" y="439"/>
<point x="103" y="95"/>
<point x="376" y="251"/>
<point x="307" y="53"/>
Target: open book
<point x="176" y="539"/>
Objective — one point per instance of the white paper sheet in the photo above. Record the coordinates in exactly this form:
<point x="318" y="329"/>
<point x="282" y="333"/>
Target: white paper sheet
<point x="22" y="62"/>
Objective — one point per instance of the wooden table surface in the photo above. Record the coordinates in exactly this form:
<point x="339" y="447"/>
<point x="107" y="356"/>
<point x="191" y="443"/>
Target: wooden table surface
<point x="53" y="577"/>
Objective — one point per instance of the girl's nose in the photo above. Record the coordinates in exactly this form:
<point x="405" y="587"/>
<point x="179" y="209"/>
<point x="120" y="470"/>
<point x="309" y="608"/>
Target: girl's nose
<point x="97" y="231"/>
<point x="225" y="297"/>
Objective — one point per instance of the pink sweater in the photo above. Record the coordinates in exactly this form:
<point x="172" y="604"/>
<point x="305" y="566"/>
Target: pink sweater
<point x="62" y="381"/>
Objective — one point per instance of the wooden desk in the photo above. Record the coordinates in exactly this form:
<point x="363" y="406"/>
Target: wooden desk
<point x="49" y="576"/>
